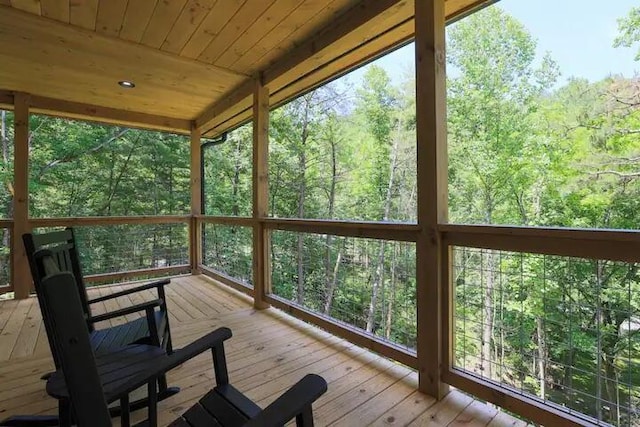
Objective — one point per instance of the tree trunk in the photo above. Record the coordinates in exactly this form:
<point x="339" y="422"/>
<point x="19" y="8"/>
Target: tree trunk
<point x="378" y="280"/>
<point x="330" y="279"/>
<point x="542" y="357"/>
<point x="488" y="317"/>
<point x="302" y="189"/>
<point x="392" y="299"/>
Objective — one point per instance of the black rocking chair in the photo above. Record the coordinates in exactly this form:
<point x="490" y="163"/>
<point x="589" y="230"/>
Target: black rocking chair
<point x="59" y="247"/>
<point x="86" y="388"/>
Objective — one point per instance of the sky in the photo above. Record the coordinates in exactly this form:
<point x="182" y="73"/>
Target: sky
<point x="578" y="34"/>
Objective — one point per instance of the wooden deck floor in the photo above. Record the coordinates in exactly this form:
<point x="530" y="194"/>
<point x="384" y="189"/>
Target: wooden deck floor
<point x="268" y="352"/>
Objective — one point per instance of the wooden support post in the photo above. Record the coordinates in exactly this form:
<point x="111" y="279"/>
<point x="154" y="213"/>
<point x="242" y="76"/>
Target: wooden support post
<point x="261" y="237"/>
<point x="432" y="189"/>
<point x="20" y="273"/>
<point x="195" y="241"/>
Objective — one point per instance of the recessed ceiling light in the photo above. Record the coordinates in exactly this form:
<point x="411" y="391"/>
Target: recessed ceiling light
<point x="127" y="84"/>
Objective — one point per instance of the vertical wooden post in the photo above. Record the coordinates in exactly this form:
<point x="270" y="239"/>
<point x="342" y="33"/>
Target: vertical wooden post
<point x="261" y="245"/>
<point x="20" y="273"/>
<point x="432" y="188"/>
<point x="195" y="242"/>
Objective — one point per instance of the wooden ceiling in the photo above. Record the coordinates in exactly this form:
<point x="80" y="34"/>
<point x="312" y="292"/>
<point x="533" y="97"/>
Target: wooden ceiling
<point x="191" y="59"/>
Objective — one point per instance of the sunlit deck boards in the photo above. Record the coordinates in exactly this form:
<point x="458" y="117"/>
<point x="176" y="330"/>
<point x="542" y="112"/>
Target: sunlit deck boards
<point x="268" y="352"/>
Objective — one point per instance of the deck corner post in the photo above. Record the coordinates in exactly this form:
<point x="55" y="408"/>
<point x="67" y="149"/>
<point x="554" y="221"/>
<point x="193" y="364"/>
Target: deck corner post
<point x="431" y="272"/>
<point x="195" y="241"/>
<point x="20" y="273"/>
<point x="261" y="236"/>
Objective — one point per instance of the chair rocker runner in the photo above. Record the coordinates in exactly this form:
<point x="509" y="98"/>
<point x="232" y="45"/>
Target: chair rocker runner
<point x="60" y="249"/>
<point x="86" y="391"/>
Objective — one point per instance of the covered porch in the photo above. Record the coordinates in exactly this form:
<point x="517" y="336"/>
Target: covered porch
<point x="201" y="69"/>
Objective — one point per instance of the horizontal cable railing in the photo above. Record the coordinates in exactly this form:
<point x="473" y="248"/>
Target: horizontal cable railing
<point x="227" y="249"/>
<point x="117" y="248"/>
<point x="549" y="316"/>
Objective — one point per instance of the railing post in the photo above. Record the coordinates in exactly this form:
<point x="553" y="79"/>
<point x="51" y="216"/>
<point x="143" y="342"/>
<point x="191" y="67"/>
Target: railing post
<point x="20" y="273"/>
<point x="432" y="190"/>
<point x="261" y="244"/>
<point x="195" y="242"/>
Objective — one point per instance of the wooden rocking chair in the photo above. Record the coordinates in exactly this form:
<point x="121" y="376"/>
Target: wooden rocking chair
<point x="86" y="388"/>
<point x="60" y="247"/>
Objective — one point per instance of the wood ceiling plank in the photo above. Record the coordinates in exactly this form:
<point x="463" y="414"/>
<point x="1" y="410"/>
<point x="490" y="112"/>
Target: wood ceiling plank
<point x="31" y="6"/>
<point x="277" y="13"/>
<point x="241" y="22"/>
<point x="164" y="16"/>
<point x="136" y="19"/>
<point x="308" y="14"/>
<point x="83" y="13"/>
<point x="55" y="9"/>
<point x="110" y="16"/>
<point x="209" y="28"/>
<point x="192" y="15"/>
<point x="48" y="58"/>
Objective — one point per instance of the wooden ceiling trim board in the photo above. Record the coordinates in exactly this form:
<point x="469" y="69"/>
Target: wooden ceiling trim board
<point x="77" y="110"/>
<point x="110" y="17"/>
<point x="238" y="25"/>
<point x="271" y="19"/>
<point x="349" y="22"/>
<point x="236" y="96"/>
<point x="164" y="16"/>
<point x="345" y="63"/>
<point x="136" y="19"/>
<point x="31" y="6"/>
<point x="231" y="123"/>
<point x="455" y="9"/>
<point x="213" y="23"/>
<point x="55" y="9"/>
<point x="192" y="15"/>
<point x="242" y="107"/>
<point x="83" y="13"/>
<point x="329" y="13"/>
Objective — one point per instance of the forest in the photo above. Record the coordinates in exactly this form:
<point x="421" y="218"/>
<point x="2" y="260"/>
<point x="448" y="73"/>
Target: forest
<point x="525" y="148"/>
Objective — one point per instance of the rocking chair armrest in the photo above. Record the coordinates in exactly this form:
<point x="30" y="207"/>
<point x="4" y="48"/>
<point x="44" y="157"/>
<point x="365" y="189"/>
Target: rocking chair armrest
<point x="152" y="285"/>
<point x="291" y="403"/>
<point x="127" y="310"/>
<point x="212" y="340"/>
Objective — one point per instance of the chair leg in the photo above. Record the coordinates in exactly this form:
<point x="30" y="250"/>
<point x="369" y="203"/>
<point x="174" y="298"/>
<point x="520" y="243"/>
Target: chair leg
<point x="125" y="415"/>
<point x="305" y="418"/>
<point x="64" y="413"/>
<point x="153" y="405"/>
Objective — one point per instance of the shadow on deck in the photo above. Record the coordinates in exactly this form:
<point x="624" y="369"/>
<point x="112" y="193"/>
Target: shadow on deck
<point x="269" y="352"/>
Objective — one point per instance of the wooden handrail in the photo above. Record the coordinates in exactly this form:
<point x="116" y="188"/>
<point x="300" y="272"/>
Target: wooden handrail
<point x="110" y="220"/>
<point x="592" y="244"/>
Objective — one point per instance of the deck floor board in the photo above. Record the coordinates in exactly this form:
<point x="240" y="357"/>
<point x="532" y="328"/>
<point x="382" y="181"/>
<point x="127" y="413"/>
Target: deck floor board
<point x="269" y="351"/>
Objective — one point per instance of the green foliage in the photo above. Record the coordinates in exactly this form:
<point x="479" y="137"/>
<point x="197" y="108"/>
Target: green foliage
<point x="629" y="28"/>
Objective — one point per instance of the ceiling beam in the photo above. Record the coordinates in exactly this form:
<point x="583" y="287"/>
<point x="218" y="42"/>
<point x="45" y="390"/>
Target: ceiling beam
<point x="240" y="93"/>
<point x="6" y="100"/>
<point x="76" y="110"/>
